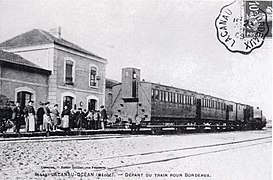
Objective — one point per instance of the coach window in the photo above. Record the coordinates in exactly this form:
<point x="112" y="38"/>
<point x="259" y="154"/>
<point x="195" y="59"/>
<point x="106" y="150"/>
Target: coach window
<point x="161" y="96"/>
<point x="156" y="94"/>
<point x="180" y="98"/>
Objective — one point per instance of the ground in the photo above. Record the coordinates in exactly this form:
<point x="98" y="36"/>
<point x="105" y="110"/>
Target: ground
<point x="221" y="155"/>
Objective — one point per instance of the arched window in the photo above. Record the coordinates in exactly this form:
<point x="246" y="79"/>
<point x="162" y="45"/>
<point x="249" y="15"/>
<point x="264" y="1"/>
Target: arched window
<point x="68" y="101"/>
<point x="23" y="97"/>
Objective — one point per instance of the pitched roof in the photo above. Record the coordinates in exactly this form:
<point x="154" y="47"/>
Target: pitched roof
<point x="18" y="60"/>
<point x="39" y="37"/>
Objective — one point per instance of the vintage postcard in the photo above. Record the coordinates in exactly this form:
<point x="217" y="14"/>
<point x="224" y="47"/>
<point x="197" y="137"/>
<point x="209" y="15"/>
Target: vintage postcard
<point x="136" y="89"/>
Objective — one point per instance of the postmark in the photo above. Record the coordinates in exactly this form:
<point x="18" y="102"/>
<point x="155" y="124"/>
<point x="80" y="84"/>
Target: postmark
<point x="242" y="26"/>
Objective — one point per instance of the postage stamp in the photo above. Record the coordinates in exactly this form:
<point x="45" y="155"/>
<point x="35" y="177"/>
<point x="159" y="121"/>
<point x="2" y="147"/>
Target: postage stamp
<point x="242" y="26"/>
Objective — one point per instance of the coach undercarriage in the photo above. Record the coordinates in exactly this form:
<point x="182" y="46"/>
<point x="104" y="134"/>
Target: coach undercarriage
<point x="157" y="125"/>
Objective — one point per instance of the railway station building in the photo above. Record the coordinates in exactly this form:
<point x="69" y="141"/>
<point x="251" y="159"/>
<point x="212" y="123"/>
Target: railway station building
<point x="66" y="74"/>
<point x="21" y="79"/>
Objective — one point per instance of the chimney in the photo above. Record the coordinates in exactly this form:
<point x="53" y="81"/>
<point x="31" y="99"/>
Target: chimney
<point x="56" y="32"/>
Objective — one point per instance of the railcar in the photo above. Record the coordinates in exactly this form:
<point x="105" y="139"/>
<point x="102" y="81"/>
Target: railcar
<point x="162" y="106"/>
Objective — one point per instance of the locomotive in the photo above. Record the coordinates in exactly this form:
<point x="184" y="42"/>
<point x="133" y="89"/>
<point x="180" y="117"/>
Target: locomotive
<point x="162" y="106"/>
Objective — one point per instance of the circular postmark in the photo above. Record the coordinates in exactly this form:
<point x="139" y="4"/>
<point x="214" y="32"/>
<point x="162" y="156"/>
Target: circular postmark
<point x="242" y="26"/>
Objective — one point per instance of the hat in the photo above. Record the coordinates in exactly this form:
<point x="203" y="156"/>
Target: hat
<point x="79" y="108"/>
<point x="102" y="107"/>
<point x="55" y="105"/>
<point x="47" y="103"/>
<point x="30" y="101"/>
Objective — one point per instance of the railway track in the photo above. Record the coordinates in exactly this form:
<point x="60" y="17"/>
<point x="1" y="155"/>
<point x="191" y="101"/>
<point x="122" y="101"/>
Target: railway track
<point x="174" y="154"/>
<point x="67" y="138"/>
<point x="153" y="157"/>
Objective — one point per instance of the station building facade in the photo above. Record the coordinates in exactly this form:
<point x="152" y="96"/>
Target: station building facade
<point x="22" y="80"/>
<point x="77" y="76"/>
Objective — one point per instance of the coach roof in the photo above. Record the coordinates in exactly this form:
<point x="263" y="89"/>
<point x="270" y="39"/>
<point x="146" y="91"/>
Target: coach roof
<point x="39" y="37"/>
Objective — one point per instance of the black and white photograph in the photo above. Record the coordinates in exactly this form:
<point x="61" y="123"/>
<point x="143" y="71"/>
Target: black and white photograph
<point x="136" y="89"/>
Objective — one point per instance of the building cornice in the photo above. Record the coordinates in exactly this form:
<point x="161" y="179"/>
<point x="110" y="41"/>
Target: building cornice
<point x="79" y="90"/>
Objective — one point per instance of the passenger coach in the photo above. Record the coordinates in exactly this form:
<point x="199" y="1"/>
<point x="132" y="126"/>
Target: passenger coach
<point x="163" y="106"/>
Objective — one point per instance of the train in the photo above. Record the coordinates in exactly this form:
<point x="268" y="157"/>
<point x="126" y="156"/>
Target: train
<point x="162" y="106"/>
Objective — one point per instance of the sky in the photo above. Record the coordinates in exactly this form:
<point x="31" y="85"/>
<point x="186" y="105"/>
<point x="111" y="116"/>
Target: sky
<point x="173" y="42"/>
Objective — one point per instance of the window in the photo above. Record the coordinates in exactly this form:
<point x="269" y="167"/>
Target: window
<point x="162" y="97"/>
<point x="157" y="94"/>
<point x="231" y="107"/>
<point x="68" y="101"/>
<point x="175" y="98"/>
<point x="93" y="74"/>
<point x="92" y="104"/>
<point x="179" y="98"/>
<point x="69" y="72"/>
<point x="23" y="97"/>
<point x="166" y="96"/>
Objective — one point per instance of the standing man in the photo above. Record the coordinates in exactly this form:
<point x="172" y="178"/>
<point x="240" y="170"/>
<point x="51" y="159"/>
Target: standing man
<point x="47" y="119"/>
<point x="40" y="117"/>
<point x="80" y="118"/>
<point x="30" y="114"/>
<point x="133" y="124"/>
<point x="55" y="116"/>
<point x="17" y="116"/>
<point x="138" y="120"/>
<point x="103" y="115"/>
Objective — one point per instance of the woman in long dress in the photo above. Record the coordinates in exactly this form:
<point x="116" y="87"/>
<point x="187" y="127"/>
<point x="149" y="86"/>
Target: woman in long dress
<point x="30" y="120"/>
<point x="65" y="118"/>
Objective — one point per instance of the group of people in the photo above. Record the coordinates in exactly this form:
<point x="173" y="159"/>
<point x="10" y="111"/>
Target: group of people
<point x="50" y="119"/>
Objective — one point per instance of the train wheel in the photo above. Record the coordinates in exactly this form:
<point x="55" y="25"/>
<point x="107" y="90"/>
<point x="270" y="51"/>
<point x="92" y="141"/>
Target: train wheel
<point x="228" y="127"/>
<point x="156" y="130"/>
<point x="213" y="127"/>
<point x="181" y="129"/>
<point x="200" y="129"/>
